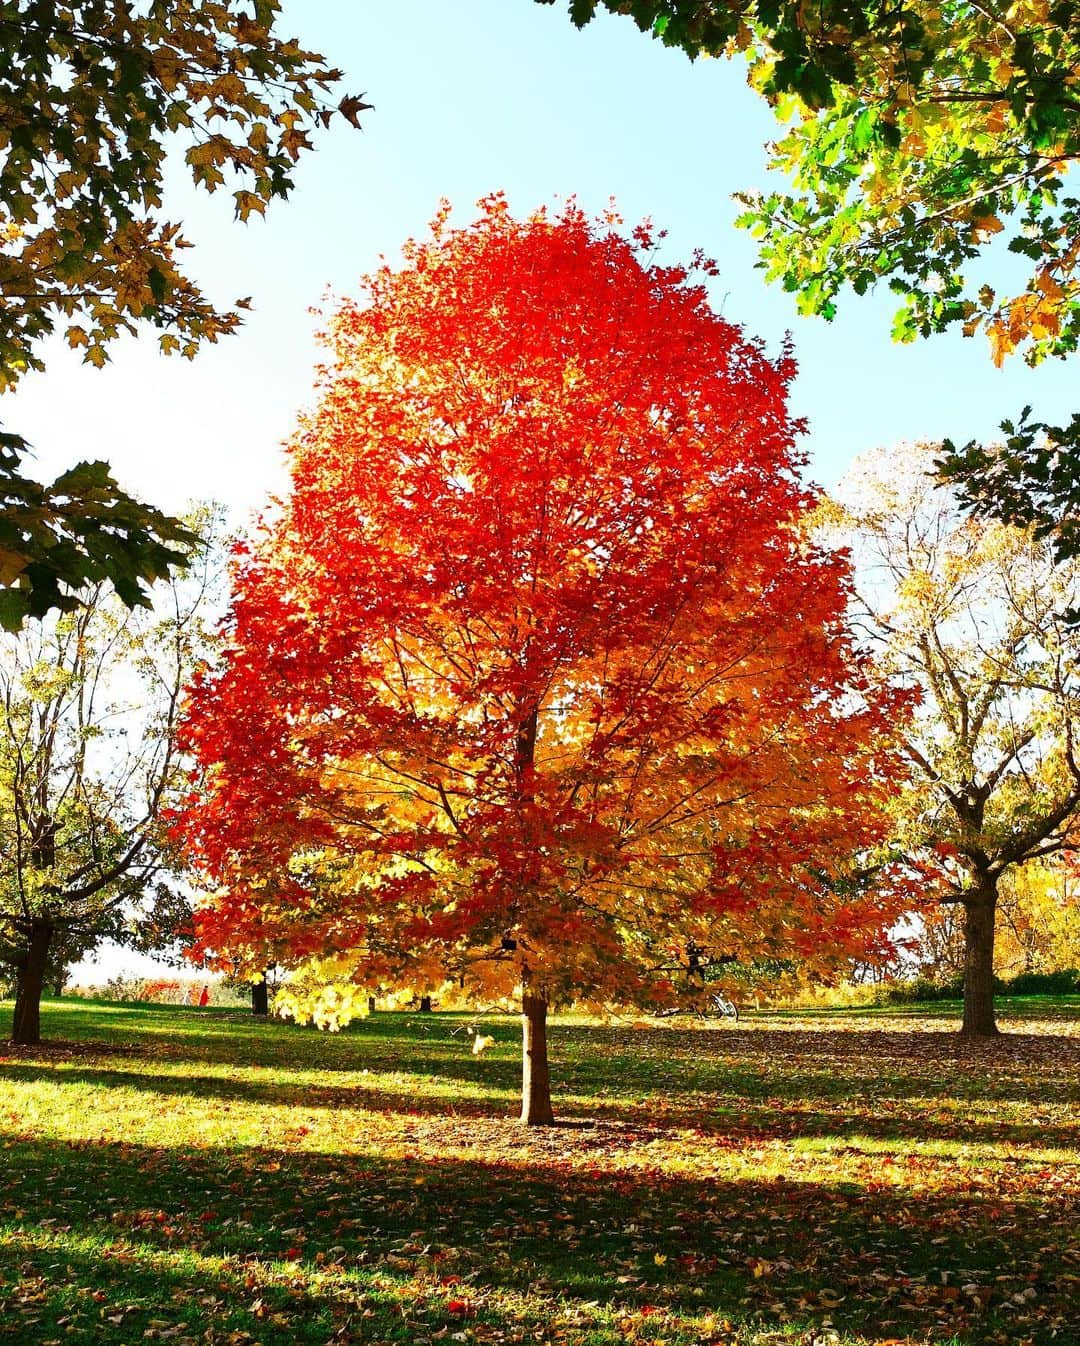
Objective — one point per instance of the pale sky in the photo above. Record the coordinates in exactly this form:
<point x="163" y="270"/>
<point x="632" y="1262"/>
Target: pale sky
<point x="472" y="96"/>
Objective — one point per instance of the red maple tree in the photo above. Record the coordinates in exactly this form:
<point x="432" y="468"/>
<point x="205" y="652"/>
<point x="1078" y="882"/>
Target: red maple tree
<point x="537" y="687"/>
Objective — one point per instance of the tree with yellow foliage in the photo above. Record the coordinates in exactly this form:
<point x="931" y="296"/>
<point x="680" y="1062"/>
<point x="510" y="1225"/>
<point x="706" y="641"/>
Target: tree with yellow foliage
<point x="1037" y="927"/>
<point x="974" y="616"/>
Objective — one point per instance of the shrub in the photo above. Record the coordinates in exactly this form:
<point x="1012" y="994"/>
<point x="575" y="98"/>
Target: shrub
<point x="1062" y="982"/>
<point x="921" y="989"/>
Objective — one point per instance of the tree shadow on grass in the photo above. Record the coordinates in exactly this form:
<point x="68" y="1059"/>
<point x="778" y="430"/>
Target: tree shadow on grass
<point x="762" y="1064"/>
<point x="291" y="1247"/>
<point x="731" y="1116"/>
<point x="750" y="1064"/>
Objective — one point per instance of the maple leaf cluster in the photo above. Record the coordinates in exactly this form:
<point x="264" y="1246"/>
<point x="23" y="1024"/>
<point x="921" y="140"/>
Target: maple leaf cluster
<point x="95" y="93"/>
<point x="538" y="679"/>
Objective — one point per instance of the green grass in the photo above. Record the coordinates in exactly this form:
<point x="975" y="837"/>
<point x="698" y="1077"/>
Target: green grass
<point x="194" y="1176"/>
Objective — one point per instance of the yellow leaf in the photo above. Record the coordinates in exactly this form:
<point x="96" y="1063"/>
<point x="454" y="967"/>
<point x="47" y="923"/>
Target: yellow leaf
<point x="997" y="119"/>
<point x="1049" y="286"/>
<point x="246" y="202"/>
<point x="1001" y="342"/>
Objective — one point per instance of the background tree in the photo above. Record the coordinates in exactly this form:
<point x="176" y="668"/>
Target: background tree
<point x="537" y="684"/>
<point x="95" y="94"/>
<point x="1037" y="929"/>
<point x="922" y="140"/>
<point x="974" y="616"/>
<point x="156" y="921"/>
<point x="1041" y="910"/>
<point x="88" y="706"/>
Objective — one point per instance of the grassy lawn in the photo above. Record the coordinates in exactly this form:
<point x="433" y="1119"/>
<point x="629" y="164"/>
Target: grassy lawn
<point x="193" y="1176"/>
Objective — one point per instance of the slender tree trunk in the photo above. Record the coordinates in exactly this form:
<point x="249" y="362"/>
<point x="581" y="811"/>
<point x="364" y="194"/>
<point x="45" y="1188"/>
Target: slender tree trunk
<point x="260" y="997"/>
<point x="979" y="908"/>
<point x="535" y="1077"/>
<point x="425" y="1004"/>
<point x="371" y="1004"/>
<point x="26" y="1025"/>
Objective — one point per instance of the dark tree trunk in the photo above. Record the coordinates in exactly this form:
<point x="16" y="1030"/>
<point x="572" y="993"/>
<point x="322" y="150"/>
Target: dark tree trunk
<point x="26" y="1025"/>
<point x="260" y="997"/>
<point x="979" y="908"/>
<point x="371" y="1004"/>
<point x="58" y="983"/>
<point x="425" y="1004"/>
<point x="535" y="1077"/>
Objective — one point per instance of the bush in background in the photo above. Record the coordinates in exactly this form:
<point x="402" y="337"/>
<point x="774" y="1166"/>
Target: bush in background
<point x="1025" y="983"/>
<point x="921" y="990"/>
<point x="1064" y="982"/>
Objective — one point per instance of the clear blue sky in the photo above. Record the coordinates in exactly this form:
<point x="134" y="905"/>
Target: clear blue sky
<point x="474" y="95"/>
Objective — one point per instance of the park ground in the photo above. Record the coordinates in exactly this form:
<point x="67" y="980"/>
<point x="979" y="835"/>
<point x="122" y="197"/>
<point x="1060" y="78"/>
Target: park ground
<point x="188" y="1176"/>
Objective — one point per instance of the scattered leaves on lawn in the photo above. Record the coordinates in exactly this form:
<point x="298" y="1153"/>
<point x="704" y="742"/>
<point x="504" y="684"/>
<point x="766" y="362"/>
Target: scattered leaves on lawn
<point x="805" y="1181"/>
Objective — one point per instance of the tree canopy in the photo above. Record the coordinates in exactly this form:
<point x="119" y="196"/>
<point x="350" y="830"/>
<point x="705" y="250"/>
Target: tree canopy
<point x="88" y="706"/>
<point x="95" y="96"/>
<point x="537" y="687"/>
<point x="973" y="614"/>
<point x="1030" y="478"/>
<point x="929" y="146"/>
<point x="917" y="134"/>
<point x="59" y="540"/>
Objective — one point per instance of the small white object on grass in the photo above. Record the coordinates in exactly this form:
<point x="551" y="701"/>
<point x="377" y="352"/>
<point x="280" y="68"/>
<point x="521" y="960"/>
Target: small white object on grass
<point x="480" y="1044"/>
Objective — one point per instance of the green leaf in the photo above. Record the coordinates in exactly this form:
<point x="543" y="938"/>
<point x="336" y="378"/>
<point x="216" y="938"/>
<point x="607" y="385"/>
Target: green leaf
<point x="14" y="606"/>
<point x="862" y="133"/>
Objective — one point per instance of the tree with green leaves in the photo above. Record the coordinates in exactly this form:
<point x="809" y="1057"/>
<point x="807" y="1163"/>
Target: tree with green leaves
<point x="58" y="540"/>
<point x="920" y="140"/>
<point x="88" y="705"/>
<point x="95" y="95"/>
<point x="1030" y="478"/>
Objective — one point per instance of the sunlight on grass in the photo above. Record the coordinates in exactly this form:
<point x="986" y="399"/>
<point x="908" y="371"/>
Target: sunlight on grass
<point x="198" y="1177"/>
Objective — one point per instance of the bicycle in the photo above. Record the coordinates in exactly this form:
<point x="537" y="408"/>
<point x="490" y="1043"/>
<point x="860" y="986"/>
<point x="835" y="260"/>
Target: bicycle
<point x="718" y="1003"/>
<point x="715" y="1005"/>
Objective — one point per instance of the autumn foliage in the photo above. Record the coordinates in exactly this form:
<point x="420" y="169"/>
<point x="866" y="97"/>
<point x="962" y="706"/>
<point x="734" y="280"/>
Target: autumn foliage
<point x="536" y="681"/>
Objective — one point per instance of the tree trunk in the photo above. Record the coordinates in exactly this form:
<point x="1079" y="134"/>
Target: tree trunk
<point x="260" y="997"/>
<point x="535" y="1076"/>
<point x="26" y="1025"/>
<point x="979" y="908"/>
<point x="425" y="1004"/>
